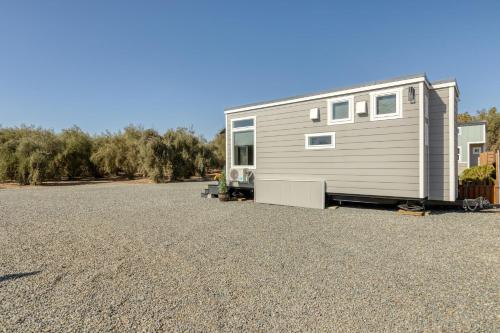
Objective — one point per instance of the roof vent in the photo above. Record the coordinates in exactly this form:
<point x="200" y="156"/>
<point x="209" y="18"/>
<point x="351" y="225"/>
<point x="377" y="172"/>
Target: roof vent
<point x="411" y="95"/>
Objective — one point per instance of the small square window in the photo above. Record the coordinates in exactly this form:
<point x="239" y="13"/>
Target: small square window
<point x="386" y="104"/>
<point x="320" y="140"/>
<point x="476" y="150"/>
<point x="340" y="110"/>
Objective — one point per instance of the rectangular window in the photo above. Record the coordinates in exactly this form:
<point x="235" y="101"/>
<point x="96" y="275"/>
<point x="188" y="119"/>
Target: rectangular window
<point x="243" y="123"/>
<point x="320" y="140"/>
<point x="460" y="131"/>
<point x="476" y="150"/>
<point x="243" y="142"/>
<point x="340" y="110"/>
<point x="459" y="153"/>
<point x="386" y="104"/>
<point x="243" y="148"/>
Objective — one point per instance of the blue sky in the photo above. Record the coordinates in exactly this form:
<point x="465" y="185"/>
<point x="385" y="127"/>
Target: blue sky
<point x="105" y="64"/>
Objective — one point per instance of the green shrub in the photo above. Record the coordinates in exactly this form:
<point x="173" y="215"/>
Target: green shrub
<point x="204" y="159"/>
<point x="218" y="148"/>
<point x="104" y="155"/>
<point x="8" y="160"/>
<point x="153" y="155"/>
<point x="222" y="182"/>
<point x="187" y="154"/>
<point x="38" y="167"/>
<point x="35" y="156"/>
<point x="115" y="155"/>
<point x="484" y="174"/>
<point x="182" y="146"/>
<point x="32" y="155"/>
<point x="74" y="159"/>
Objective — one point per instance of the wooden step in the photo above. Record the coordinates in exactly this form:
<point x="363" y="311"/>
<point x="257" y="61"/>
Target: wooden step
<point x="414" y="213"/>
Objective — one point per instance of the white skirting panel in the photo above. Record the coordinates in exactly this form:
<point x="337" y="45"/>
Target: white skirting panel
<point x="299" y="193"/>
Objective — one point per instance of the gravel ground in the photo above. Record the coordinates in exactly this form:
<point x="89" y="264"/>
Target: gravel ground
<point x="129" y="257"/>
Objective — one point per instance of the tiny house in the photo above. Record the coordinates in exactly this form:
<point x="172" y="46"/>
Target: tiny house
<point x="384" y="141"/>
<point x="471" y="143"/>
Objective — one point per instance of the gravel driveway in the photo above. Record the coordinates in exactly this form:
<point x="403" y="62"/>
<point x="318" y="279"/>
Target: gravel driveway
<point x="128" y="257"/>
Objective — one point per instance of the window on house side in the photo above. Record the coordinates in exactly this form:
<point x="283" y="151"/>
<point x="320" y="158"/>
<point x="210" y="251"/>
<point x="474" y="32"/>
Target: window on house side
<point x="320" y="140"/>
<point x="340" y="110"/>
<point x="243" y="142"/>
<point x="243" y="123"/>
<point x="386" y="104"/>
<point x="243" y="148"/>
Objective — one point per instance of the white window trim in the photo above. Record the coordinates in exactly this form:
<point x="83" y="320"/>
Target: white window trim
<point x="399" y="104"/>
<point x="330" y="146"/>
<point x="459" y="153"/>
<point x="242" y="129"/>
<point x="459" y="130"/>
<point x="349" y="119"/>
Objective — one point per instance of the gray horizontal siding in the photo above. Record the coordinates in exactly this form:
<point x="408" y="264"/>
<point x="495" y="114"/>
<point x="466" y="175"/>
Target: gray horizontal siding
<point x="328" y="160"/>
<point x="439" y="167"/>
<point x="370" y="158"/>
<point x="346" y="132"/>
<point x="359" y="152"/>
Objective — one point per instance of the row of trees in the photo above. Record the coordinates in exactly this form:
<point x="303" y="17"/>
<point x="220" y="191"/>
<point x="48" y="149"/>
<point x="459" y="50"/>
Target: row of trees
<point x="32" y="155"/>
<point x="492" y="117"/>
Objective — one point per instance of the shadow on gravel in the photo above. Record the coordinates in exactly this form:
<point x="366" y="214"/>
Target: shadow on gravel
<point x="15" y="276"/>
<point x="433" y="208"/>
<point x="77" y="182"/>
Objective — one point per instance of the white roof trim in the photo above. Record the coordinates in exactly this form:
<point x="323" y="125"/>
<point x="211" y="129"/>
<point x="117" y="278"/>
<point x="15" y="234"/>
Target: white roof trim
<point x="331" y="94"/>
<point x="446" y="85"/>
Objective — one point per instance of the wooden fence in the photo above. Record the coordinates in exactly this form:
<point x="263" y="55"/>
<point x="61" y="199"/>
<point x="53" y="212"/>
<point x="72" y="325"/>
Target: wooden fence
<point x="491" y="192"/>
<point x="472" y="191"/>
<point x="487" y="158"/>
